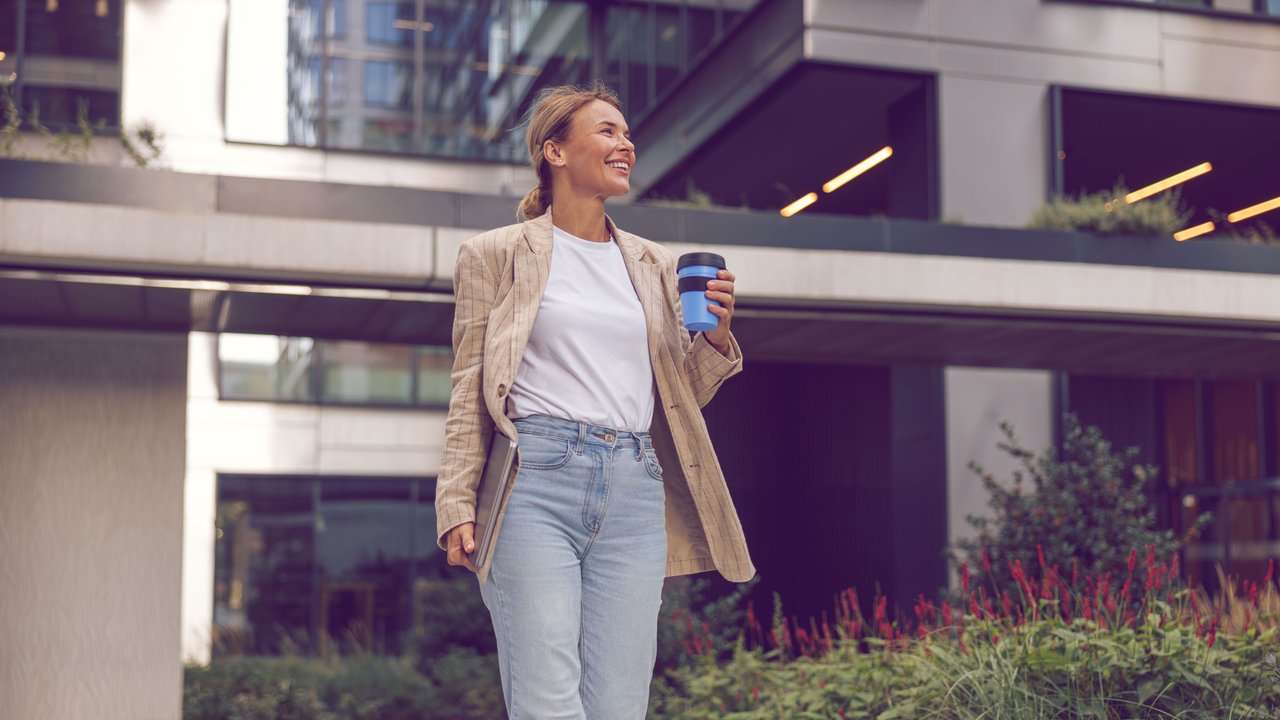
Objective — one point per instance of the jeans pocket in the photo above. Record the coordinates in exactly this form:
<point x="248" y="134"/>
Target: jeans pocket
<point x="650" y="460"/>
<point x="544" y="452"/>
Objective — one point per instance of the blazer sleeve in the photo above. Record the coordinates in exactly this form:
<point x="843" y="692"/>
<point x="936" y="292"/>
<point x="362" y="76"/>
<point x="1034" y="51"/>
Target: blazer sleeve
<point x="704" y="366"/>
<point x="468" y="427"/>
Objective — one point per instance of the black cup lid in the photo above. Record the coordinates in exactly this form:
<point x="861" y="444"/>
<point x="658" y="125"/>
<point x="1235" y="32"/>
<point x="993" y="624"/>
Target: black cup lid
<point x="700" y="258"/>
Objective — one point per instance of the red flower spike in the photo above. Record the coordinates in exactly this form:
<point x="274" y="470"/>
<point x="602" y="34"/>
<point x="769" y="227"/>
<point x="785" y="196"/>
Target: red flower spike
<point x="1040" y="555"/>
<point x="986" y="562"/>
<point x="1133" y="555"/>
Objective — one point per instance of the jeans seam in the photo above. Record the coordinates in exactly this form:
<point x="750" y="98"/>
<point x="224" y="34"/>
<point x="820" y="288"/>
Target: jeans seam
<point x="595" y="531"/>
<point x="568" y="453"/>
<point x="506" y="643"/>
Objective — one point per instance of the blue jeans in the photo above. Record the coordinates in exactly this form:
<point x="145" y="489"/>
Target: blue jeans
<point x="575" y="583"/>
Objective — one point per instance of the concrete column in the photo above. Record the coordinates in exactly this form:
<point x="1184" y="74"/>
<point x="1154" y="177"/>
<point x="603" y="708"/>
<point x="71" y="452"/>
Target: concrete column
<point x="92" y="452"/>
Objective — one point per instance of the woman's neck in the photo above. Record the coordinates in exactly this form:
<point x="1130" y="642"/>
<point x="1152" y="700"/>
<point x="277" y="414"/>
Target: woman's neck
<point x="581" y="218"/>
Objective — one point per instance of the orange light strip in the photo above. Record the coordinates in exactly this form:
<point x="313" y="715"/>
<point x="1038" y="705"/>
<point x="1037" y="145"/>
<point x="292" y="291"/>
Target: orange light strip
<point x="1192" y="232"/>
<point x="1165" y="184"/>
<point x="799" y="205"/>
<point x="1258" y="209"/>
<point x="880" y="156"/>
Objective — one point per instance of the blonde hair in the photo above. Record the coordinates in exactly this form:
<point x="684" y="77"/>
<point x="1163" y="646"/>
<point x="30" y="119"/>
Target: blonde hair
<point x="551" y="119"/>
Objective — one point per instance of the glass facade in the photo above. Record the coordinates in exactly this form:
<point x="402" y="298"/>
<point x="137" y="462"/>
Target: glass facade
<point x="332" y="372"/>
<point x="316" y="563"/>
<point x="1216" y="443"/>
<point x="455" y="78"/>
<point x="52" y="59"/>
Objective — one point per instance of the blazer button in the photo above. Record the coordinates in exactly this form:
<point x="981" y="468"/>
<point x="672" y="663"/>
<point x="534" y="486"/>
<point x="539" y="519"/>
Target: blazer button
<point x="502" y="389"/>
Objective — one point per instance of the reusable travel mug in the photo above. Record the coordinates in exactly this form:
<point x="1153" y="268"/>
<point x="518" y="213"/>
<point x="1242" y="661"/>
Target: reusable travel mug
<point x="694" y="270"/>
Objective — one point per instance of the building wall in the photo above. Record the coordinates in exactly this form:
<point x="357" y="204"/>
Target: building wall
<point x="92" y="447"/>
<point x="273" y="438"/>
<point x="978" y="400"/>
<point x="995" y="61"/>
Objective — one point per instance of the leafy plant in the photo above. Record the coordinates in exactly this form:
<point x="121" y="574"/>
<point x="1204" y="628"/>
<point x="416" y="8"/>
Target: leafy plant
<point x="1078" y="512"/>
<point x="1067" y="647"/>
<point x="1106" y="213"/>
<point x="143" y="144"/>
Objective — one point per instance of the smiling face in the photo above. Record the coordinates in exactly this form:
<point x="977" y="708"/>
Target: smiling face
<point x="597" y="158"/>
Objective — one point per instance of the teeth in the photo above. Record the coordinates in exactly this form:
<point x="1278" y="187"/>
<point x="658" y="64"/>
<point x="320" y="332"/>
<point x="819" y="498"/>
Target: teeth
<point x="619" y="165"/>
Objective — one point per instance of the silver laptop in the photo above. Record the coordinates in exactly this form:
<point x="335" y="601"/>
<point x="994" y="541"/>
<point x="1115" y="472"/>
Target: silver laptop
<point x="493" y="485"/>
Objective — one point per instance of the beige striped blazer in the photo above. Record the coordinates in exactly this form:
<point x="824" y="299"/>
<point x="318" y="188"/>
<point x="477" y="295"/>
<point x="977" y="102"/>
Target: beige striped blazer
<point x="498" y="283"/>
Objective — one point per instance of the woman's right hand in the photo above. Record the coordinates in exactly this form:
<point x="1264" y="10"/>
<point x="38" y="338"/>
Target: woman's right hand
<point x="461" y="544"/>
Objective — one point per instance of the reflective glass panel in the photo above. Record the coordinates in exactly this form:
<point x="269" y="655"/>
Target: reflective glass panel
<point x="265" y="367"/>
<point x="62" y="107"/>
<point x="73" y="28"/>
<point x="434" y="367"/>
<point x="356" y="372"/>
<point x="364" y="539"/>
<point x="390" y="23"/>
<point x="263" y="567"/>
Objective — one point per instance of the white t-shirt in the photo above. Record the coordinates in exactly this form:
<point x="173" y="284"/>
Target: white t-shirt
<point x="588" y="355"/>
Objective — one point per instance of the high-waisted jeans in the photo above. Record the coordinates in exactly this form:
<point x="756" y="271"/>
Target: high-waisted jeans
<point x="575" y="583"/>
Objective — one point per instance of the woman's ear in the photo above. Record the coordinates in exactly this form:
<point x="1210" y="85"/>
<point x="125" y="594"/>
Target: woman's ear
<point x="554" y="154"/>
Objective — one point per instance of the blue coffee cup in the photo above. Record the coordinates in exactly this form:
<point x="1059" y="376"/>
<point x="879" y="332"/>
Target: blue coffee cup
<point x="694" y="270"/>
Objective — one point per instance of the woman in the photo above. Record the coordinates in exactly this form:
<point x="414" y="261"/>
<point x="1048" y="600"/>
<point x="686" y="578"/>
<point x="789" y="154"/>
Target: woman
<point x="567" y="337"/>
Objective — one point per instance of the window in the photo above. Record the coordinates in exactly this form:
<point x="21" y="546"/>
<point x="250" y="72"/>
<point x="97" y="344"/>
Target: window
<point x="390" y="23"/>
<point x="265" y="367"/>
<point x="1215" y="7"/>
<point x="386" y="84"/>
<point x="479" y="66"/>
<point x="69" y="67"/>
<point x="336" y="19"/>
<point x="270" y="368"/>
<point x="1215" y="442"/>
<point x="74" y="28"/>
<point x="359" y="372"/>
<point x="313" y="563"/>
<point x="435" y="365"/>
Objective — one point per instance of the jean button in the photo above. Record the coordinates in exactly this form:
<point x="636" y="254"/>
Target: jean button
<point x="608" y="437"/>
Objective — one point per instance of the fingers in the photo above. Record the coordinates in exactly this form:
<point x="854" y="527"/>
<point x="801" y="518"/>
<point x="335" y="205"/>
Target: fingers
<point x="461" y="544"/>
<point x="721" y="285"/>
<point x="723" y="298"/>
<point x="466" y="533"/>
<point x="726" y="275"/>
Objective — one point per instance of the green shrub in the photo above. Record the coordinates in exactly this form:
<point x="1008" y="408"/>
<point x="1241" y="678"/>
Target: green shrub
<point x="1106" y="213"/>
<point x="1073" y="652"/>
<point x="1082" y="513"/>
<point x="296" y="688"/>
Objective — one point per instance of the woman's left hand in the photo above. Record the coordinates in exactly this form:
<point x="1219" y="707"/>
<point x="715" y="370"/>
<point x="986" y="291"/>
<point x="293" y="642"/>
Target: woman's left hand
<point x="721" y="290"/>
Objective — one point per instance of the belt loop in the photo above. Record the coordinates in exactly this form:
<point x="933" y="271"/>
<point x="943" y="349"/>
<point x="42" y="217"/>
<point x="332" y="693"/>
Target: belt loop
<point x="582" y="437"/>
